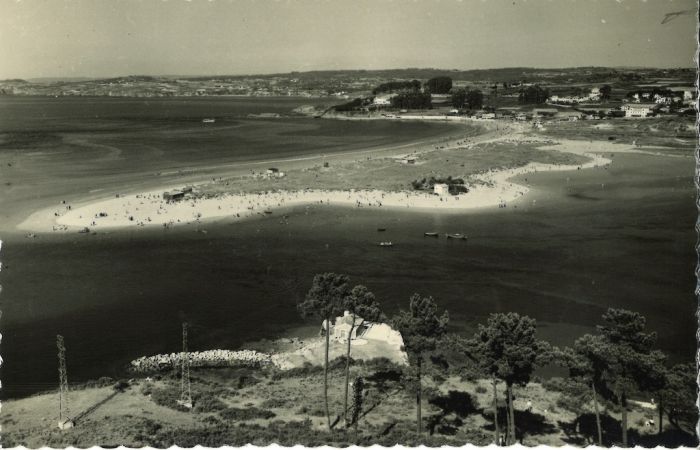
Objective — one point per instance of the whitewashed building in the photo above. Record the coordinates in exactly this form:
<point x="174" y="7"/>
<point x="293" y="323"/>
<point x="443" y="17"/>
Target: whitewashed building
<point x="441" y="189"/>
<point x="639" y="109"/>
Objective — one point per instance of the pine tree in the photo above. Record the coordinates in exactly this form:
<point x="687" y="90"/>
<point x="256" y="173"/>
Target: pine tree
<point x="325" y="301"/>
<point x="421" y="329"/>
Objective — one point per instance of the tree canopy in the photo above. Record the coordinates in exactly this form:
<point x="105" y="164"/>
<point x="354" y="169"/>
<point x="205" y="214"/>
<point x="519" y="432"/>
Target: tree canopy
<point x="421" y="327"/>
<point x="411" y="100"/>
<point x="395" y="86"/>
<point x="326" y="296"/>
<point x="508" y="349"/>
<point x="467" y="98"/>
<point x="438" y="85"/>
<point x="533" y="94"/>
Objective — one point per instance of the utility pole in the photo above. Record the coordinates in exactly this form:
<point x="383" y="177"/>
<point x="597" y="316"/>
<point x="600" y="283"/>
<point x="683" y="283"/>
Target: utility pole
<point x="63" y="414"/>
<point x="185" y="388"/>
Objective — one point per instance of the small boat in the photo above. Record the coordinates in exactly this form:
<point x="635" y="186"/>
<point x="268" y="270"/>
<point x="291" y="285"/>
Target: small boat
<point x="430" y="234"/>
<point x="267" y="211"/>
<point x="208" y="120"/>
<point x="386" y="244"/>
<point x="381" y="229"/>
<point x="456" y="236"/>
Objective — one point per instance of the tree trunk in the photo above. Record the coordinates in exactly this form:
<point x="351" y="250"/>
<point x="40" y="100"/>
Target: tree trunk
<point x="623" y="402"/>
<point x="506" y="439"/>
<point x="661" y="412"/>
<point x="496" y="432"/>
<point x="347" y="375"/>
<point x="418" y="397"/>
<point x="512" y="415"/>
<point x="325" y="371"/>
<point x="597" y="415"/>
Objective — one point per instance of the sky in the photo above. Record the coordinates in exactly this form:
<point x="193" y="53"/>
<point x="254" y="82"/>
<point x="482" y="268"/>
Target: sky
<point x="105" y="38"/>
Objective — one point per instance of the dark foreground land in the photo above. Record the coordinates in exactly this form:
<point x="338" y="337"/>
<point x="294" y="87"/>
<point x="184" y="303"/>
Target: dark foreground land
<point x="243" y="406"/>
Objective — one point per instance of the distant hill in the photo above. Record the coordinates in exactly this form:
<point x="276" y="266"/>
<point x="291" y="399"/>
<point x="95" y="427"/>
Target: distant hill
<point x="497" y="75"/>
<point x="58" y="79"/>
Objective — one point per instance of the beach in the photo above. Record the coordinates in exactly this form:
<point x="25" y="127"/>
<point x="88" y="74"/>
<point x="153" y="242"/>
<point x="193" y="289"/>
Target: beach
<point x="492" y="188"/>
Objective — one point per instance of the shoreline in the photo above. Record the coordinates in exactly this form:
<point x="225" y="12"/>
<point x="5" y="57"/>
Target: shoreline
<point x="148" y="209"/>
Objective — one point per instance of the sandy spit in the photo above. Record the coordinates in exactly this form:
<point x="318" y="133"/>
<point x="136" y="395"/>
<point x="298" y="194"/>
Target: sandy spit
<point x="149" y="209"/>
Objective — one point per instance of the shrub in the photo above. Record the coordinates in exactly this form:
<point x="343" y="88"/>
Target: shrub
<point x="121" y="385"/>
<point x="208" y="403"/>
<point x="105" y="381"/>
<point x="274" y="403"/>
<point x="167" y="397"/>
<point x="241" y="414"/>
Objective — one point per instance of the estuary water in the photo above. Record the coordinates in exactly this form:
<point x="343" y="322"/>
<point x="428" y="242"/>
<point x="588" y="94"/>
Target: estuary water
<point x="578" y="243"/>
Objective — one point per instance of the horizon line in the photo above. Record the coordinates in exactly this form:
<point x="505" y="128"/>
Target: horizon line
<point x="267" y="74"/>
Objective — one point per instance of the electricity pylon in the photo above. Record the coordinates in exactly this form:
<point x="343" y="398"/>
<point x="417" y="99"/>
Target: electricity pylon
<point x="63" y="413"/>
<point x="185" y="388"/>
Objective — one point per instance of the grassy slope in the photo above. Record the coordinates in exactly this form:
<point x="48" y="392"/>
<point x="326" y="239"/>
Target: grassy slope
<point x="456" y="411"/>
<point x="676" y="135"/>
<point x="386" y="173"/>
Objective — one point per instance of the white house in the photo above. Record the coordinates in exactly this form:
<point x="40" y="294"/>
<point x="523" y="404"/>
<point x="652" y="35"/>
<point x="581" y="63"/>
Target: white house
<point x="362" y="329"/>
<point x="344" y="326"/>
<point x="639" y="109"/>
<point x="441" y="189"/>
<point x="382" y="100"/>
<point x="274" y="172"/>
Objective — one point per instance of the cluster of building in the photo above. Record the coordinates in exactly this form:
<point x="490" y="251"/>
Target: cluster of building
<point x="272" y="172"/>
<point x="135" y="86"/>
<point x="593" y="96"/>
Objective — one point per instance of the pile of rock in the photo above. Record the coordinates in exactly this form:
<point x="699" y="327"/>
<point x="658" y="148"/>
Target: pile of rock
<point x="207" y="358"/>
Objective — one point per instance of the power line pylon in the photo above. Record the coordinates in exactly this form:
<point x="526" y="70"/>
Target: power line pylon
<point x="185" y="388"/>
<point x="64" y="420"/>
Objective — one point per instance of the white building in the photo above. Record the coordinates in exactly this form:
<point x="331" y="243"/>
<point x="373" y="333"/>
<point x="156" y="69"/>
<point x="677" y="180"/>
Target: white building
<point x="344" y="326"/>
<point x="363" y="330"/>
<point x="639" y="109"/>
<point x="441" y="189"/>
<point x="382" y="100"/>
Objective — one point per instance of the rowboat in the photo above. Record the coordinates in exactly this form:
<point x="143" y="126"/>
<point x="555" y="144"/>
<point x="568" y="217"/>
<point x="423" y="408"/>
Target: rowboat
<point x="430" y="234"/>
<point x="456" y="236"/>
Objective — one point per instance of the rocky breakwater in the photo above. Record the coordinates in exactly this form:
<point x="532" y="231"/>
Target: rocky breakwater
<point x="207" y="358"/>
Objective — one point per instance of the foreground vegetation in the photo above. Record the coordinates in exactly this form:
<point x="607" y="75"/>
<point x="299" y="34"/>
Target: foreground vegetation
<point x="456" y="389"/>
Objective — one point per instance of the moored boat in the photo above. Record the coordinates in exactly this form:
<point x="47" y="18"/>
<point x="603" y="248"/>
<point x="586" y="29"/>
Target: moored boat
<point x="456" y="236"/>
<point x="386" y="244"/>
<point x="381" y="229"/>
<point x="430" y="234"/>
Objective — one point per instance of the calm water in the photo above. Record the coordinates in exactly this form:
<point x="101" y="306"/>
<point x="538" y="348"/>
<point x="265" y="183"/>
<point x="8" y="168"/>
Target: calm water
<point x="72" y="148"/>
<point x="580" y="248"/>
